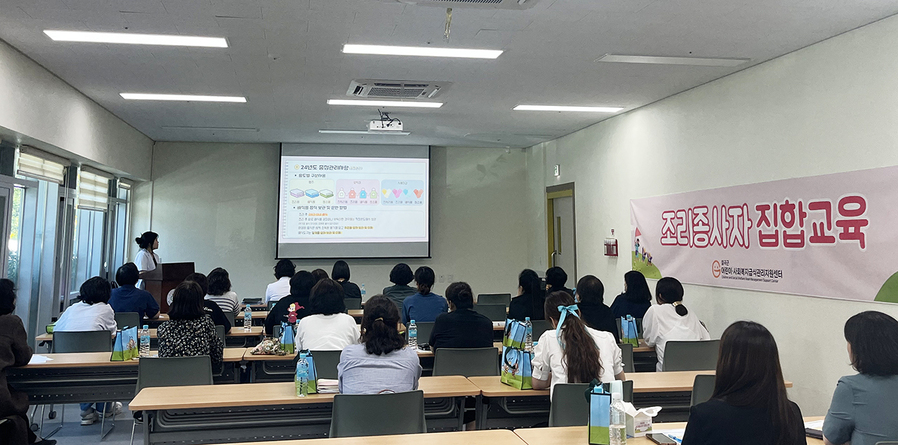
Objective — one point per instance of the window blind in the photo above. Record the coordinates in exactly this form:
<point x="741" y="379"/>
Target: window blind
<point x="93" y="189"/>
<point x="32" y="165"/>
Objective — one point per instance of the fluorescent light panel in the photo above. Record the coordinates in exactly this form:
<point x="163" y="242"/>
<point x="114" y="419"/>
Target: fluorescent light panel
<point x="567" y="108"/>
<point x="664" y="60"/>
<point x="384" y="103"/>
<point x="422" y="51"/>
<point x="136" y="39"/>
<point x="183" y="97"/>
<point x="394" y="133"/>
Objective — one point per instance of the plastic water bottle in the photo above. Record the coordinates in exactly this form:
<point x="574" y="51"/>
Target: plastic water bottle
<point x="145" y="341"/>
<point x="363" y="292"/>
<point x="528" y="337"/>
<point x="302" y="376"/>
<point x="247" y="318"/>
<point x="413" y="335"/>
<point x="618" y="427"/>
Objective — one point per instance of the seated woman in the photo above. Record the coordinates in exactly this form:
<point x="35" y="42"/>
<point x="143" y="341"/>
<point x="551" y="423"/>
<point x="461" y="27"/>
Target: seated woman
<point x="14" y="351"/>
<point x="531" y="298"/>
<point x="189" y="331"/>
<point x="400" y="276"/>
<point x="556" y="279"/>
<point x="219" y="291"/>
<point x="573" y="352"/>
<point x="128" y="298"/>
<point x="590" y="292"/>
<point x="300" y="287"/>
<point x="863" y="409"/>
<point x="670" y="320"/>
<point x="92" y="313"/>
<point x="320" y="274"/>
<point x="636" y="298"/>
<point x="425" y="305"/>
<point x="283" y="271"/>
<point x="749" y="405"/>
<point x="329" y="328"/>
<point x="382" y="361"/>
<point x="212" y="309"/>
<point x="461" y="327"/>
<point x="340" y="274"/>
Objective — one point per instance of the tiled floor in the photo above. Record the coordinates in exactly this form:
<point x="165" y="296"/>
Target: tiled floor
<point x="72" y="433"/>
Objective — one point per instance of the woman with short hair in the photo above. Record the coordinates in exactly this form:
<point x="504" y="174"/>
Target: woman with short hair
<point x="219" y="291"/>
<point x="283" y="271"/>
<point x="189" y="331"/>
<point x="864" y="406"/>
<point x="461" y="327"/>
<point x="749" y="405"/>
<point x="400" y="276"/>
<point x="329" y="328"/>
<point x="531" y="297"/>
<point x="351" y="291"/>
<point x="382" y="361"/>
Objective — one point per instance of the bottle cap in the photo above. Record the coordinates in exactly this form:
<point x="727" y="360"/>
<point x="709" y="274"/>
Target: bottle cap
<point x="146" y="326"/>
<point x="412" y="321"/>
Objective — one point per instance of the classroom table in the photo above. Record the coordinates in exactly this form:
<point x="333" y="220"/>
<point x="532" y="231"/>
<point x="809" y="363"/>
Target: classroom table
<point x="238" y="337"/>
<point x="491" y="437"/>
<point x="256" y="315"/>
<point x="269" y="411"/>
<point x="568" y="435"/>
<point x="514" y="407"/>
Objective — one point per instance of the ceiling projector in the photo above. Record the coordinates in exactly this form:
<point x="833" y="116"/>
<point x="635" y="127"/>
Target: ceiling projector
<point x="386" y="126"/>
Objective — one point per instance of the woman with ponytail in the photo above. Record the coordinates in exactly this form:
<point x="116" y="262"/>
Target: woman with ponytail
<point x="573" y="352"/>
<point x="670" y="320"/>
<point x="425" y="305"/>
<point x="147" y="259"/>
<point x="530" y="299"/>
<point x="749" y="404"/>
<point x="382" y="361"/>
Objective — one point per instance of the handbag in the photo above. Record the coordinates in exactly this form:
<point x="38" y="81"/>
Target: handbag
<point x="517" y="370"/>
<point x="599" y="416"/>
<point x="313" y="373"/>
<point x="629" y="331"/>
<point x="514" y="334"/>
<point x="125" y="345"/>
<point x="287" y="338"/>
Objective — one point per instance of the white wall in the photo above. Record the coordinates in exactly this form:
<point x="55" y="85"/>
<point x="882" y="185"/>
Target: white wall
<point x="38" y="105"/>
<point x="216" y="205"/>
<point x="828" y="108"/>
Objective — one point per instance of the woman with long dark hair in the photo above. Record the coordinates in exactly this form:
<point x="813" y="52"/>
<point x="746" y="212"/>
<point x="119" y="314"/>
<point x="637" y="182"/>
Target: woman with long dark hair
<point x="530" y="299"/>
<point x="670" y="320"/>
<point x="382" y="361"/>
<point x="749" y="404"/>
<point x="863" y="409"/>
<point x="636" y="298"/>
<point x="573" y="352"/>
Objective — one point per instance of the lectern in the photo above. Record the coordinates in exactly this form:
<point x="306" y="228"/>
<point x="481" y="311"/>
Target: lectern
<point x="165" y="277"/>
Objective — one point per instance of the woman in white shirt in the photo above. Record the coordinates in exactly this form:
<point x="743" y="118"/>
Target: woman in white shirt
<point x="670" y="320"/>
<point x="283" y="271"/>
<point x="147" y="259"/>
<point x="328" y="328"/>
<point x="573" y="352"/>
<point x="219" y="289"/>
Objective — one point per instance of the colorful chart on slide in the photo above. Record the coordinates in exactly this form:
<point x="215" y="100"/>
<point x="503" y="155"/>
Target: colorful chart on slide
<point x="362" y="200"/>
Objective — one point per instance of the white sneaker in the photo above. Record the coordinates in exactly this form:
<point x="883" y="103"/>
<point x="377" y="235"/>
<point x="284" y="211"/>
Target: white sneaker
<point x="116" y="409"/>
<point x="89" y="417"/>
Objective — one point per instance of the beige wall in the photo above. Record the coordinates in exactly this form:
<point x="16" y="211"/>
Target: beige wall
<point x="828" y="108"/>
<point x="216" y="204"/>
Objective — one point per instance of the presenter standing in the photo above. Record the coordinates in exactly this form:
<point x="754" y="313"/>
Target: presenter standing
<point x="147" y="259"/>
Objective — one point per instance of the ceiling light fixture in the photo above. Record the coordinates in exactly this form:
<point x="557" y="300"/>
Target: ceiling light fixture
<point x="665" y="60"/>
<point x="136" y="39"/>
<point x="422" y="51"/>
<point x="384" y="103"/>
<point x="183" y="97"/>
<point x="567" y="108"/>
<point x="363" y="132"/>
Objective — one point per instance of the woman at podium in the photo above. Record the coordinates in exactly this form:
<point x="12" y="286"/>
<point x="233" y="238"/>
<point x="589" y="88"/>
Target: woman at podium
<point x="147" y="259"/>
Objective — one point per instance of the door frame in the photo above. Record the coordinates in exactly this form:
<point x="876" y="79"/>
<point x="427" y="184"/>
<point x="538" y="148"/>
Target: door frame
<point x="552" y="193"/>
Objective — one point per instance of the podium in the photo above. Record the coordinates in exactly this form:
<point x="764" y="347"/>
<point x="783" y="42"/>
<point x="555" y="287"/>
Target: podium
<point x="165" y="277"/>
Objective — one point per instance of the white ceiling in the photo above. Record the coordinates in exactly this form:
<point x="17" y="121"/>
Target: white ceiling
<point x="285" y="57"/>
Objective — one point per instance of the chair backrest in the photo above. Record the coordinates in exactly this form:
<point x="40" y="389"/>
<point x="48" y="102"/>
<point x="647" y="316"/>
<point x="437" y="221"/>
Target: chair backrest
<point x="569" y="404"/>
<point x="127" y="319"/>
<point x="325" y="363"/>
<point x="890" y="442"/>
<point x="626" y="354"/>
<point x="276" y="331"/>
<point x="219" y="331"/>
<point x="90" y="341"/>
<point x="174" y="371"/>
<point x="424" y="330"/>
<point x="352" y="303"/>
<point x="627" y="388"/>
<point x="702" y="389"/>
<point x="691" y="355"/>
<point x="271" y="304"/>
<point x="495" y="312"/>
<point x="503" y="299"/>
<point x="540" y="326"/>
<point x="378" y="414"/>
<point x="252" y="301"/>
<point x="231" y="318"/>
<point x="468" y="362"/>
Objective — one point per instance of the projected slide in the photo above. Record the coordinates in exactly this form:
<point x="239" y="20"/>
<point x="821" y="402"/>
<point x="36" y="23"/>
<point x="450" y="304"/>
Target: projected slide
<point x="353" y="206"/>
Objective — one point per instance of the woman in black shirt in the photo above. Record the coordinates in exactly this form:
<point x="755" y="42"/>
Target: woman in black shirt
<point x="749" y="405"/>
<point x="461" y="327"/>
<point x="590" y="292"/>
<point x="530" y="299"/>
<point x="300" y="287"/>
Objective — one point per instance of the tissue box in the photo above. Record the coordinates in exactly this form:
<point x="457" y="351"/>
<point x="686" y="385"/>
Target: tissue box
<point x="639" y="422"/>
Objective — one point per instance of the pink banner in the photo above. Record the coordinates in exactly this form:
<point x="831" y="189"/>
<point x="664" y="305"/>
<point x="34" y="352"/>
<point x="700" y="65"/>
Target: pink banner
<point x="833" y="236"/>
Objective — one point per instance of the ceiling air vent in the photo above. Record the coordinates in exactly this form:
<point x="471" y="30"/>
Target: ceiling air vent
<point x="395" y="89"/>
<point x="491" y="4"/>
